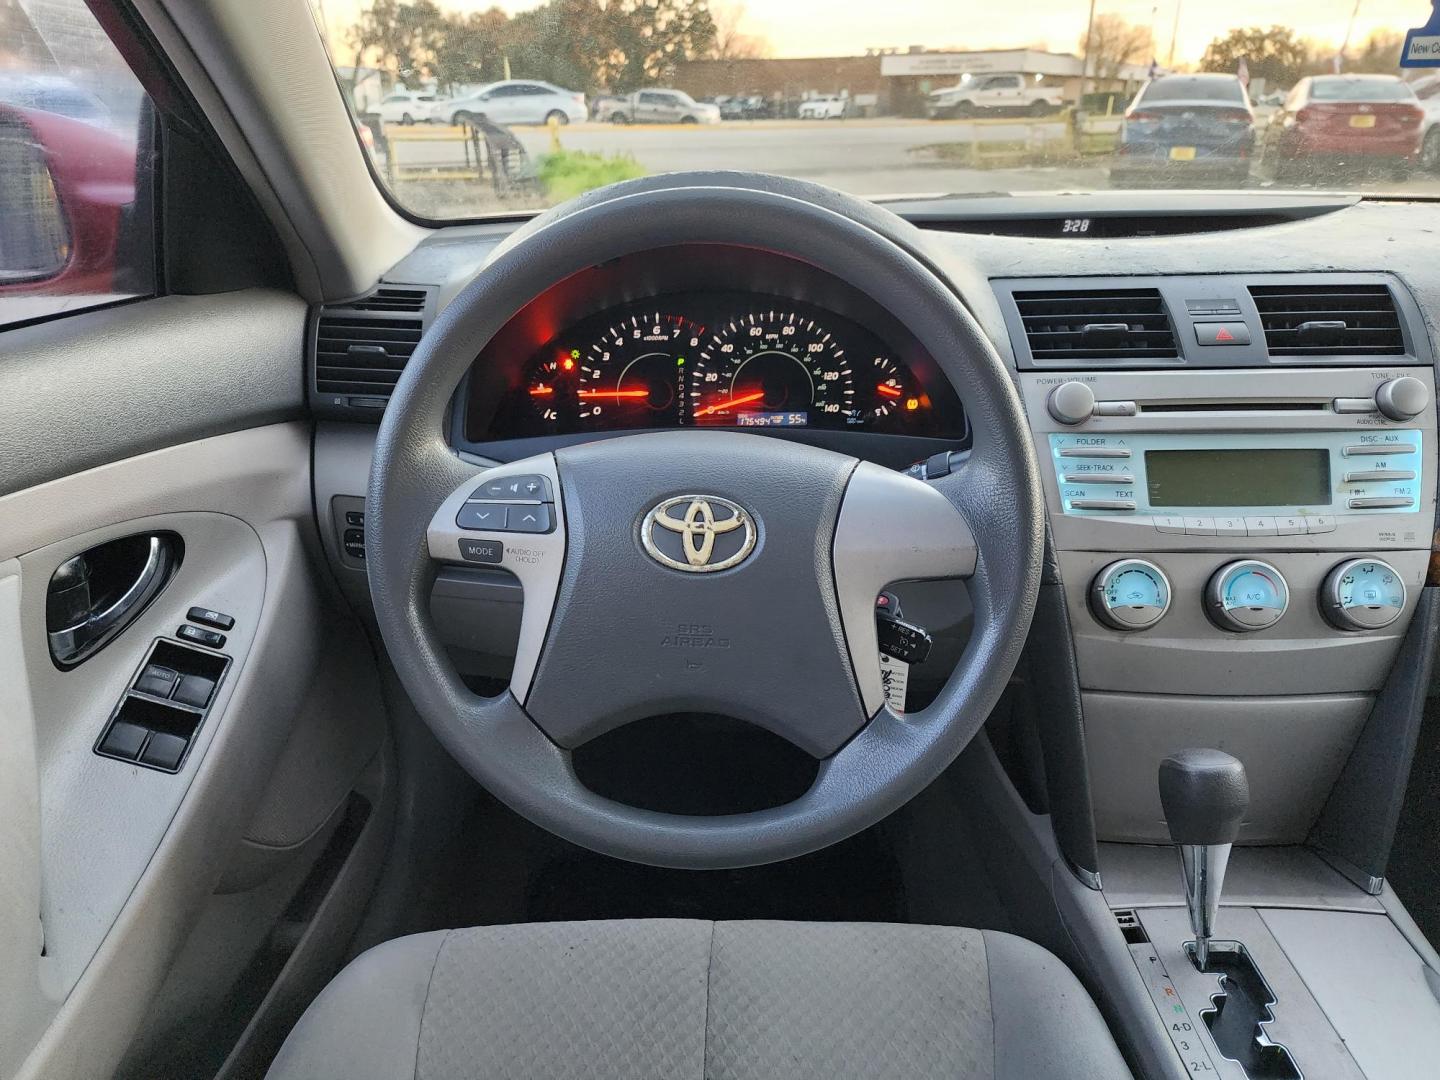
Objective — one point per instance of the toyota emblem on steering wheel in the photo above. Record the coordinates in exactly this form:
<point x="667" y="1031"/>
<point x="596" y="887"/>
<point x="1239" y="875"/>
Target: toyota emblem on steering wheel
<point x="711" y="534"/>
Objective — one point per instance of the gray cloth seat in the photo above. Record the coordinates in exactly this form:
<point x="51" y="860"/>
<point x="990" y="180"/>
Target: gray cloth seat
<point x="677" y="998"/>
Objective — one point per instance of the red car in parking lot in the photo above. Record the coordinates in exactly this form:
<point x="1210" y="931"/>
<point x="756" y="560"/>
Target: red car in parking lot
<point x="1345" y="120"/>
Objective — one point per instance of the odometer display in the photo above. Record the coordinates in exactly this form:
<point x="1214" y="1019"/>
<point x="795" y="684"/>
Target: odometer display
<point x="772" y="368"/>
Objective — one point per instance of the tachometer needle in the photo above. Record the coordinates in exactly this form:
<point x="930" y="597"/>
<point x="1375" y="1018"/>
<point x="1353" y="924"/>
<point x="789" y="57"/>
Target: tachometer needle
<point x="721" y="406"/>
<point x="887" y="390"/>
<point x="614" y="394"/>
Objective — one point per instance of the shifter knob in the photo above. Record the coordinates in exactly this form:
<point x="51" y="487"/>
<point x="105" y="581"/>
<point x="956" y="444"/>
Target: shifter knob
<point x="1205" y="795"/>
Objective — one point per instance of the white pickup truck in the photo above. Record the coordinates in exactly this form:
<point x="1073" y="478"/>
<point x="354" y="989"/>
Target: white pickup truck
<point x="994" y="95"/>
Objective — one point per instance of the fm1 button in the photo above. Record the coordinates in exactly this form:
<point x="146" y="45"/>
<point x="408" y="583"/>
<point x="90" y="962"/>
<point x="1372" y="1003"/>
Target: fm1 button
<point x="482" y="551"/>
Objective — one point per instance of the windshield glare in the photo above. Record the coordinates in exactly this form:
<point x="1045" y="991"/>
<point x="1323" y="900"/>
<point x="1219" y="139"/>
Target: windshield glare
<point x="513" y="107"/>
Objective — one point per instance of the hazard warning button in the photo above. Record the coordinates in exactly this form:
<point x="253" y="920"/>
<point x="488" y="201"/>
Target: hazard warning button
<point x="1222" y="333"/>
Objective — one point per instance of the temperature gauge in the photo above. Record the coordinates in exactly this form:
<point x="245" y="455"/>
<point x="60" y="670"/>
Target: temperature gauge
<point x="1246" y="595"/>
<point x="1362" y="594"/>
<point x="1131" y="594"/>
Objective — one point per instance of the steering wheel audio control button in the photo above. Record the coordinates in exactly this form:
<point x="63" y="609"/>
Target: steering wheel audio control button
<point x="529" y="519"/>
<point x="482" y="551"/>
<point x="525" y="487"/>
<point x="482" y="516"/>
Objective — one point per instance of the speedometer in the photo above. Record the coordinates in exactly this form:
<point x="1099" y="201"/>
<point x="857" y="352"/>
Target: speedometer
<point x="772" y="369"/>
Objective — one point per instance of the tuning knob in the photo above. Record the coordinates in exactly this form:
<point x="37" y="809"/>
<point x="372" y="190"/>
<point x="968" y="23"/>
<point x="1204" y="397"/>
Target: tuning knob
<point x="1073" y="402"/>
<point x="1400" y="399"/>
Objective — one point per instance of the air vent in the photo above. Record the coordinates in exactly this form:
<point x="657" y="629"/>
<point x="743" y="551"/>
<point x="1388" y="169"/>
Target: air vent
<point x="1329" y="320"/>
<point x="1103" y="324"/>
<point x="392" y="299"/>
<point x="362" y="357"/>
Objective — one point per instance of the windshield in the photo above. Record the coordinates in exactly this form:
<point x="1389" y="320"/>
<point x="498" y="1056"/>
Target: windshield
<point x="523" y="104"/>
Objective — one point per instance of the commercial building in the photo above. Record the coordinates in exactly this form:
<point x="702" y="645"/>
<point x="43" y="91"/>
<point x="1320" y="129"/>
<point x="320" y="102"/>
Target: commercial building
<point x="897" y="82"/>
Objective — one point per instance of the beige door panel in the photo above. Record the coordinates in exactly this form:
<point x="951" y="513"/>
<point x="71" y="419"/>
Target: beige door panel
<point x="114" y="860"/>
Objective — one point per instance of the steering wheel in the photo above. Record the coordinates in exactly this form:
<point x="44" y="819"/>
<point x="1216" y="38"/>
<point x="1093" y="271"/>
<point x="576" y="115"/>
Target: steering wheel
<point x="705" y="571"/>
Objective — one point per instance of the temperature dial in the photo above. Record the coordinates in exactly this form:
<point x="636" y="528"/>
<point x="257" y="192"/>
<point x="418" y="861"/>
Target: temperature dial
<point x="1131" y="594"/>
<point x="1247" y="595"/>
<point x="1362" y="594"/>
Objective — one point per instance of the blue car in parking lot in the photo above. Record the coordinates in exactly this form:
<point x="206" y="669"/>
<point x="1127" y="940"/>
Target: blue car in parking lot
<point x="1186" y="131"/>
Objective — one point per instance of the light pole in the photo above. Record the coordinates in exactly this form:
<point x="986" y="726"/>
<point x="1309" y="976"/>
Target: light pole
<point x="1174" y="35"/>
<point x="1089" y="43"/>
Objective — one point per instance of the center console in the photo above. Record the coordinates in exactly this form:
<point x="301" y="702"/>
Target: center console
<point x="1240" y="477"/>
<point x="1241" y="551"/>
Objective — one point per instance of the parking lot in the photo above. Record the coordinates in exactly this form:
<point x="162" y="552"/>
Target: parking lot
<point x="867" y="157"/>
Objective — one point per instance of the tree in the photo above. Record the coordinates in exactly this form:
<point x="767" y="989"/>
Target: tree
<point x="1111" y="44"/>
<point x="398" y="35"/>
<point x="1379" y="55"/>
<point x="1275" y="55"/>
<point x="470" y="49"/>
<point x="652" y="36"/>
<point x="731" y="42"/>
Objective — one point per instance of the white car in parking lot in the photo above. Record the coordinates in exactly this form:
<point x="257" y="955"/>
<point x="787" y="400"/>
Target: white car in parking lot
<point x="829" y="107"/>
<point x="403" y="106"/>
<point x="518" y="101"/>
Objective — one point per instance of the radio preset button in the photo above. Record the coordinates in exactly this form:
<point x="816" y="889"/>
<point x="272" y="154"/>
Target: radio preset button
<point x="1261" y="526"/>
<point x="1230" y="526"/>
<point x="1102" y="504"/>
<point x="1378" y="450"/>
<point x="1319" y="523"/>
<point x="1290" y="526"/>
<point x="1170" y="523"/>
<point x="1380" y="502"/>
<point x="1199" y="526"/>
<point x="1094" y="451"/>
<point x="1364" y="475"/>
<point x="1099" y="478"/>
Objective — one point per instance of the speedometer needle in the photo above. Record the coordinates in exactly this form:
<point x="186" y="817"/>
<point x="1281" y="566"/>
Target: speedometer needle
<point x="721" y="406"/>
<point x="617" y="394"/>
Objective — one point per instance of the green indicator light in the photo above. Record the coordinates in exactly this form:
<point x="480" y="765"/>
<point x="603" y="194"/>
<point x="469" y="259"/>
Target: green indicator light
<point x="574" y="354"/>
<point x="679" y="361"/>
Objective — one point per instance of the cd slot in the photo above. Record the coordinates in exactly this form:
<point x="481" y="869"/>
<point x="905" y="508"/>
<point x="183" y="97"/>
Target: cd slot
<point x="1234" y="406"/>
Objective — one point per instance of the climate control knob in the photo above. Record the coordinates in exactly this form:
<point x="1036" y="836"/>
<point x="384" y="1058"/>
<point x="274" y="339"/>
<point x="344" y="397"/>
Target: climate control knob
<point x="1402" y="399"/>
<point x="1362" y="594"/>
<point x="1246" y="595"/>
<point x="1132" y="594"/>
<point x="1071" y="403"/>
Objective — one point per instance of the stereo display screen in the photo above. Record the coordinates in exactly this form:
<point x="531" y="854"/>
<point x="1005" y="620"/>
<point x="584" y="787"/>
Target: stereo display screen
<point x="1252" y="477"/>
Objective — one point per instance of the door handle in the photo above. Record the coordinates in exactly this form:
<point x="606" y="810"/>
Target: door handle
<point x="94" y="626"/>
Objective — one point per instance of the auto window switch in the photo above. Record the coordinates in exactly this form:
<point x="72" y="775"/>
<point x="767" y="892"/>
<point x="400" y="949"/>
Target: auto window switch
<point x="157" y="679"/>
<point x="209" y="617"/>
<point x="200" y="636"/>
<point x="164" y="750"/>
<point x="124" y="740"/>
<point x="194" y="690"/>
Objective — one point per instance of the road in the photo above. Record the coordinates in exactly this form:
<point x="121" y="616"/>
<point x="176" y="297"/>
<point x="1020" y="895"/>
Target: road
<point x="865" y="157"/>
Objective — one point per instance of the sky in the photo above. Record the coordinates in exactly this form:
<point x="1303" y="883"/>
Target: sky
<point x="849" y="27"/>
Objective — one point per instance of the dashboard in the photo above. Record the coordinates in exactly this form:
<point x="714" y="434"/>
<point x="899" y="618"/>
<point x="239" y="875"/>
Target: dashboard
<point x="803" y="352"/>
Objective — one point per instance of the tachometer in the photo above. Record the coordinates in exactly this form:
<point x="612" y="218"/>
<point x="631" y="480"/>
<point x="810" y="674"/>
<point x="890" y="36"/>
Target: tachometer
<point x="630" y="375"/>
<point x="772" y="369"/>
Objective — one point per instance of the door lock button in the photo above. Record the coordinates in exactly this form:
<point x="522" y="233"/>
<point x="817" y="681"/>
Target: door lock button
<point x="200" y="636"/>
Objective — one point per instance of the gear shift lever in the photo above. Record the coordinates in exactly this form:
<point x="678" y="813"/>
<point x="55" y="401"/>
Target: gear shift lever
<point x="1205" y="796"/>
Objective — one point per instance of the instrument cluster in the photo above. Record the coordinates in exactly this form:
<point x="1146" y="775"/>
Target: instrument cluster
<point x="713" y="359"/>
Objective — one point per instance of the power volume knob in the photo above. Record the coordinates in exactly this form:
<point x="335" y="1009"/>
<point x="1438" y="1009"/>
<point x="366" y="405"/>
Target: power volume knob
<point x="1071" y="403"/>
<point x="1402" y="399"/>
